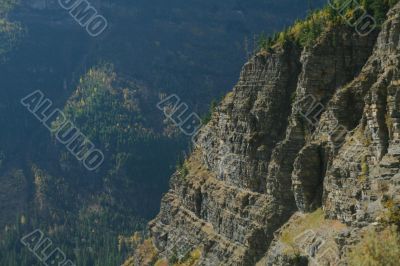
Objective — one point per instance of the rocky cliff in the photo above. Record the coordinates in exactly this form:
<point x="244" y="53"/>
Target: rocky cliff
<point x="305" y="149"/>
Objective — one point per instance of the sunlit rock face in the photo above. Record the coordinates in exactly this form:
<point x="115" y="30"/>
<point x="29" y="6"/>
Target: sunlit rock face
<point x="261" y="164"/>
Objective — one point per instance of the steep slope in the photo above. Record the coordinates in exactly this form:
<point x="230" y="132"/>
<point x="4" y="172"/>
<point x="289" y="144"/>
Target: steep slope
<point x="353" y="155"/>
<point x="167" y="58"/>
<point x="257" y="166"/>
<point x="156" y="47"/>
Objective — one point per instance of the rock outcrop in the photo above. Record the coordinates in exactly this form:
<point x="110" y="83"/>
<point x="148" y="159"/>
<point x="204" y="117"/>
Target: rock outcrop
<point x="302" y="130"/>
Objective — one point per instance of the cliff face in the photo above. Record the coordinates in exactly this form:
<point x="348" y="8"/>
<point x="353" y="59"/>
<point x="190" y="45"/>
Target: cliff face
<point x="371" y="174"/>
<point x="301" y="130"/>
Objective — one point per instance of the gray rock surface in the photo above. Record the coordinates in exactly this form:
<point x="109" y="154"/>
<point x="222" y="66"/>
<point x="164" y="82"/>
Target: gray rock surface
<point x="301" y="130"/>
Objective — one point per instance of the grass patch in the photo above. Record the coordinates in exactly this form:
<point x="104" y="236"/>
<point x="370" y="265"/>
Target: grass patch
<point x="191" y="259"/>
<point x="147" y="253"/>
<point x="377" y="248"/>
<point x="161" y="262"/>
<point x="299" y="226"/>
<point x="312" y="220"/>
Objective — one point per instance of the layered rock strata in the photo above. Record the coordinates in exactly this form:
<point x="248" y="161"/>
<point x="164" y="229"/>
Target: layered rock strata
<point x="302" y="129"/>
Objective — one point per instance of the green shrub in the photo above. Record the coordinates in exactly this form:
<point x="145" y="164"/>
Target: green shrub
<point x="306" y="32"/>
<point x="393" y="212"/>
<point x="184" y="171"/>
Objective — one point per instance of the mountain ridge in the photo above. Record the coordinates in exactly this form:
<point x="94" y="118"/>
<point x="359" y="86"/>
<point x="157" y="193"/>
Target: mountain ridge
<point x="254" y="176"/>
